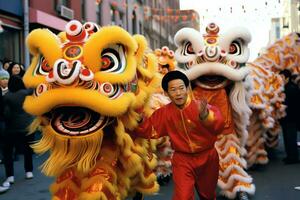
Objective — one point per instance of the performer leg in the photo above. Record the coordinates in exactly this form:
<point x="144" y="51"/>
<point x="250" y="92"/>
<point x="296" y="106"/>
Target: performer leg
<point x="184" y="178"/>
<point x="138" y="196"/>
<point x="290" y="142"/>
<point x="207" y="177"/>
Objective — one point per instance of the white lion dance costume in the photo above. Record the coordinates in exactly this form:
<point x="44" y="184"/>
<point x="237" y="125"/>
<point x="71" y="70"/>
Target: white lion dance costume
<point x="214" y="64"/>
<point x="88" y="83"/>
<point x="267" y="96"/>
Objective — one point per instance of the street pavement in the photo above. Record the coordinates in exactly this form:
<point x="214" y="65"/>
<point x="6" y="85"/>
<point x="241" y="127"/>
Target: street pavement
<point x="274" y="181"/>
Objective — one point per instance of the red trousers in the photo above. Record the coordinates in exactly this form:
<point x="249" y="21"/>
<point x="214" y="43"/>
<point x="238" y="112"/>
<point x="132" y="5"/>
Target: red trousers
<point x="199" y="170"/>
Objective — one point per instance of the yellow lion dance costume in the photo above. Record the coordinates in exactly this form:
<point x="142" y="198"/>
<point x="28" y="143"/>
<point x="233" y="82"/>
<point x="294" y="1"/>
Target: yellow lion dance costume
<point x="88" y="83"/>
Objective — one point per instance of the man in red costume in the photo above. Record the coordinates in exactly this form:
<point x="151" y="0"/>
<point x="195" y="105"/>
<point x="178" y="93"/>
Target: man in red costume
<point x="192" y="127"/>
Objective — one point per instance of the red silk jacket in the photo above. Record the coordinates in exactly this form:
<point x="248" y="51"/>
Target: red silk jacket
<point x="187" y="132"/>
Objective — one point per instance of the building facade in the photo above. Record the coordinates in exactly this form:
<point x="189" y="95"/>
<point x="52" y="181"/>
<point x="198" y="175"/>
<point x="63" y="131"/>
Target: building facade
<point x="290" y="21"/>
<point x="157" y="20"/>
<point x="11" y="38"/>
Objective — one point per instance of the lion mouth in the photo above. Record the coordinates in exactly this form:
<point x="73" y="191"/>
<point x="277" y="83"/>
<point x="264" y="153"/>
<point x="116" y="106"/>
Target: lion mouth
<point x="212" y="81"/>
<point x="76" y="121"/>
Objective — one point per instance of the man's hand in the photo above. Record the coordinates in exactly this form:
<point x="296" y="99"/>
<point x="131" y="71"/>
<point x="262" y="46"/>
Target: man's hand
<point x="203" y="110"/>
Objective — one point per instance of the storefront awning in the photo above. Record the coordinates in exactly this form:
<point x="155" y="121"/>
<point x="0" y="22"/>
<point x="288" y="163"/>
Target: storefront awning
<point x="40" y="17"/>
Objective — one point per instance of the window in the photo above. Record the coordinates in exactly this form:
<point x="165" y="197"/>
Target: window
<point x="10" y="44"/>
<point x="65" y="3"/>
<point x="83" y="10"/>
<point x="121" y="15"/>
<point x="99" y="13"/>
<point x="112" y="16"/>
<point x="134" y="23"/>
<point x="277" y="32"/>
<point x="141" y="28"/>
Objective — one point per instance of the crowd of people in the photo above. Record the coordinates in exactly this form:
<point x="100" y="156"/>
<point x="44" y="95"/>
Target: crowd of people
<point x="14" y="121"/>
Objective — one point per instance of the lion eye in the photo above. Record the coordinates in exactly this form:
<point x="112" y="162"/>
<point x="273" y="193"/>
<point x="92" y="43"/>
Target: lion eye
<point x="42" y="68"/>
<point x="235" y="48"/>
<point x="113" y="59"/>
<point x="188" y="49"/>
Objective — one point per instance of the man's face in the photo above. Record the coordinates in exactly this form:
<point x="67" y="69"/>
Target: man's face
<point x="164" y="70"/>
<point x="177" y="92"/>
<point x="16" y="69"/>
<point x="3" y="83"/>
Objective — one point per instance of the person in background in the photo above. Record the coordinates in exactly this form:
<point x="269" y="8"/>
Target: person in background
<point x="16" y="69"/>
<point x="6" y="64"/>
<point x="290" y="122"/>
<point x="16" y="134"/>
<point x="165" y="69"/>
<point x="4" y="76"/>
<point x="193" y="127"/>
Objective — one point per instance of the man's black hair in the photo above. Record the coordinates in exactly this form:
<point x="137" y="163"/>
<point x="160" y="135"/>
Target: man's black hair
<point x="172" y="75"/>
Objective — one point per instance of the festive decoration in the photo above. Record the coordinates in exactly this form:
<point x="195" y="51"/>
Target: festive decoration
<point x="98" y="2"/>
<point x="267" y="95"/>
<point x="87" y="109"/>
<point x="213" y="64"/>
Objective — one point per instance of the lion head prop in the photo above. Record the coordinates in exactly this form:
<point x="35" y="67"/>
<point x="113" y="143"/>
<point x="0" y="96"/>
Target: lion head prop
<point x="217" y="66"/>
<point x="88" y="81"/>
<point x="166" y="60"/>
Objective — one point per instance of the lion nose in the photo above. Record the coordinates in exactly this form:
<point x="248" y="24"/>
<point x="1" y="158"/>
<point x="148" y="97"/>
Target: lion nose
<point x="65" y="72"/>
<point x="212" y="53"/>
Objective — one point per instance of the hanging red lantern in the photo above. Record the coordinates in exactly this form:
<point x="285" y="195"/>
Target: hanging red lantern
<point x="98" y="2"/>
<point x="114" y="4"/>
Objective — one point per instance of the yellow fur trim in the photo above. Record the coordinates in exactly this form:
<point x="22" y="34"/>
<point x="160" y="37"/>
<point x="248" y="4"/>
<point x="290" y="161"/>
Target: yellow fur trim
<point x="78" y="152"/>
<point x="74" y="96"/>
<point x="68" y="183"/>
<point x="150" y="190"/>
<point x="102" y="39"/>
<point x="35" y="125"/>
<point x="151" y="67"/>
<point x="29" y="79"/>
<point x="41" y="42"/>
<point x="44" y="42"/>
<point x="63" y="37"/>
<point x="142" y="46"/>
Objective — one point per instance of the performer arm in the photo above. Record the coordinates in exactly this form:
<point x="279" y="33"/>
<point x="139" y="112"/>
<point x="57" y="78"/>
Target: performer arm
<point x="152" y="127"/>
<point x="213" y="119"/>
